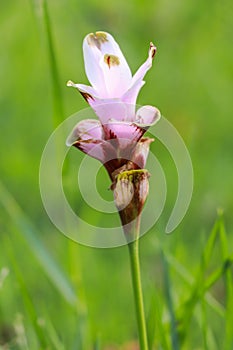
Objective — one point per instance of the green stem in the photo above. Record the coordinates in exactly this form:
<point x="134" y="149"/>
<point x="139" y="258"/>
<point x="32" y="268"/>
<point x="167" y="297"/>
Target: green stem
<point x="57" y="95"/>
<point x="137" y="287"/>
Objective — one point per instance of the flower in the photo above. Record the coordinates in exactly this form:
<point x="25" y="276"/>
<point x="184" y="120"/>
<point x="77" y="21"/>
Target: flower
<point x="116" y="139"/>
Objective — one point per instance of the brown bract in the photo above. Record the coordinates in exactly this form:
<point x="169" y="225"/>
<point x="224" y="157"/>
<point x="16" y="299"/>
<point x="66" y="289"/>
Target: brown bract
<point x="130" y="193"/>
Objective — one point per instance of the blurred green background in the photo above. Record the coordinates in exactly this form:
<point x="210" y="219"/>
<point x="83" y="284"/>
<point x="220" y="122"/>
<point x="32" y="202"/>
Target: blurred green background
<point x="190" y="82"/>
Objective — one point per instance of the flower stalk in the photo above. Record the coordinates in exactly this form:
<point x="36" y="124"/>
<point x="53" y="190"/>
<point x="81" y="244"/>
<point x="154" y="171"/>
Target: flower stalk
<point x="130" y="193"/>
<point x="137" y="289"/>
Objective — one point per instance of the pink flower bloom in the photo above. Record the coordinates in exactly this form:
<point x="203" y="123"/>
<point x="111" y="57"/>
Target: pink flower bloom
<point x="116" y="138"/>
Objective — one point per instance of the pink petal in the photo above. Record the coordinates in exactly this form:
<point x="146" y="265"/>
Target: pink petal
<point x="94" y="148"/>
<point x="88" y="129"/>
<point x="110" y="109"/>
<point x="130" y="96"/>
<point x="105" y="109"/>
<point x="104" y="151"/>
<point x="141" y="151"/>
<point x="128" y="132"/>
<point x="147" y="116"/>
<point x="139" y="75"/>
<point x="88" y="92"/>
<point x="87" y="136"/>
<point x="105" y="65"/>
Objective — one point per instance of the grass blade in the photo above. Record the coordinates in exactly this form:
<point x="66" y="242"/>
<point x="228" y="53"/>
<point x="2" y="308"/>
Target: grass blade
<point x="157" y="331"/>
<point x="218" y="273"/>
<point x="209" y="246"/>
<point x="31" y="235"/>
<point x="204" y="327"/>
<point x="29" y="306"/>
<point x="190" y="280"/>
<point x="52" y="335"/>
<point x="200" y="285"/>
<point x="167" y="284"/>
<point x="229" y="289"/>
<point x="151" y="323"/>
<point x="57" y="95"/>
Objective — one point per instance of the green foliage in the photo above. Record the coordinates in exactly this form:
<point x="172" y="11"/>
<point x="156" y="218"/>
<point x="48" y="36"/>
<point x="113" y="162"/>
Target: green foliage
<point x="59" y="295"/>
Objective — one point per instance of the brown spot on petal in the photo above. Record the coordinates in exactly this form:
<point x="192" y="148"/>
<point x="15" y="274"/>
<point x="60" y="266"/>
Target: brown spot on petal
<point x="86" y="96"/>
<point x="139" y="131"/>
<point x="109" y="134"/>
<point x="97" y="39"/>
<point x="111" y="60"/>
<point x="153" y="50"/>
<point x="147" y="140"/>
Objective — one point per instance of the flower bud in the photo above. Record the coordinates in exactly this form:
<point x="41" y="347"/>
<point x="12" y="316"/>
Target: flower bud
<point x="130" y="193"/>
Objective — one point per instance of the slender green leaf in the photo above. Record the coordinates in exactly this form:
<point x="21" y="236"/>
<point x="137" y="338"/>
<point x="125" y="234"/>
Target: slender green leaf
<point x="40" y="9"/>
<point x="168" y="288"/>
<point x="97" y="343"/>
<point x="29" y="232"/>
<point x="151" y="323"/>
<point x="200" y="285"/>
<point x="217" y="274"/>
<point x="209" y="341"/>
<point x="57" y="96"/>
<point x="156" y="329"/>
<point x="26" y="297"/>
<point x="53" y="336"/>
<point x="229" y="289"/>
<point x="82" y="339"/>
<point x="182" y="271"/>
<point x="204" y="327"/>
<point x="207" y="252"/>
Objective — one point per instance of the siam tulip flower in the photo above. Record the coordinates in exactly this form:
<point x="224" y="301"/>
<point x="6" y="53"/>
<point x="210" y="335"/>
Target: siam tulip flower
<point x="116" y="139"/>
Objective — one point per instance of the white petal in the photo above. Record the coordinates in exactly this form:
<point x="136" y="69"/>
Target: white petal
<point x="147" y="116"/>
<point x="92" y="57"/>
<point x="139" y="75"/>
<point x="117" y="79"/>
<point x="105" y="65"/>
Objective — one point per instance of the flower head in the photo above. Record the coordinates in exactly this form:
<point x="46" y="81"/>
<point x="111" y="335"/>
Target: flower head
<point x="116" y="139"/>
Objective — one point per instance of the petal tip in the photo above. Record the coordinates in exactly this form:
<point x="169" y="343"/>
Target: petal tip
<point x="157" y="115"/>
<point x="152" y="50"/>
<point x="70" y="83"/>
<point x="96" y="39"/>
<point x="72" y="138"/>
<point x="147" y="116"/>
<point x="69" y="143"/>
